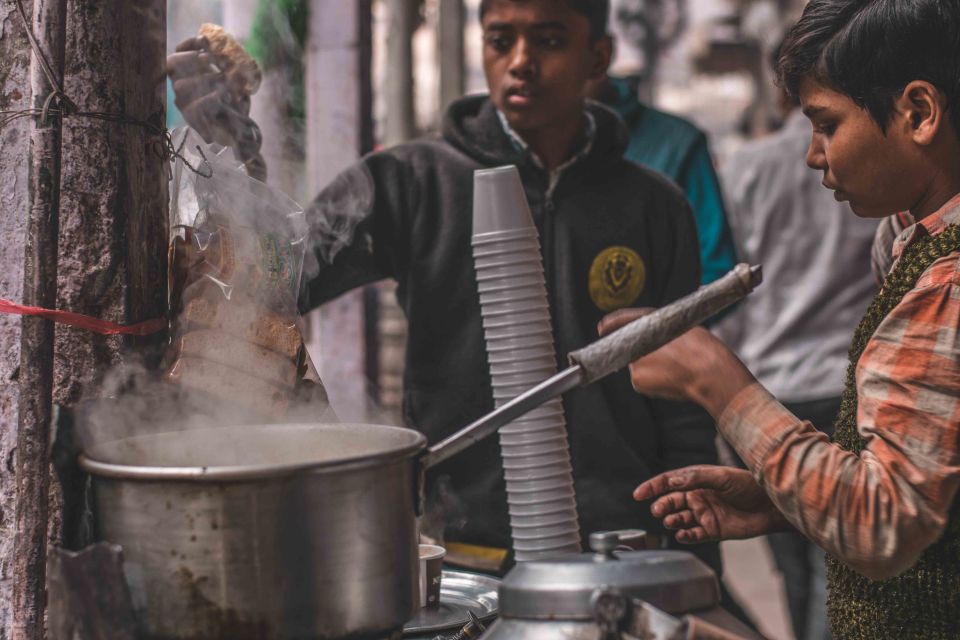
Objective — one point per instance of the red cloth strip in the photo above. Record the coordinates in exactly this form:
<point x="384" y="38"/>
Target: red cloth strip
<point x="85" y="322"/>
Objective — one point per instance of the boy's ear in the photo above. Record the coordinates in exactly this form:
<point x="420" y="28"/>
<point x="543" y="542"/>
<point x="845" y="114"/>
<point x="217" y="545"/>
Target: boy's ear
<point x="924" y="109"/>
<point x="602" y="51"/>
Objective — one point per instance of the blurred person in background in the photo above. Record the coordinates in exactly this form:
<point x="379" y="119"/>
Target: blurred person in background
<point x="675" y="147"/>
<point x="794" y="332"/>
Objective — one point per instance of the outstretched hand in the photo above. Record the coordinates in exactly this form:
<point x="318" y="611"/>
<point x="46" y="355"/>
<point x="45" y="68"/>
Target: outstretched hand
<point x="703" y="503"/>
<point x="695" y="366"/>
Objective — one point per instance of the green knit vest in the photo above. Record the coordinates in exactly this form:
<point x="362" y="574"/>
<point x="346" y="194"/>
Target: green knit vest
<point x="923" y="602"/>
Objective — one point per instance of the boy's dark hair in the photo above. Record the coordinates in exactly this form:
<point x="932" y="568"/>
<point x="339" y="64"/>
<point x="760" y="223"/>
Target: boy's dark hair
<point x="595" y="11"/>
<point x="871" y="49"/>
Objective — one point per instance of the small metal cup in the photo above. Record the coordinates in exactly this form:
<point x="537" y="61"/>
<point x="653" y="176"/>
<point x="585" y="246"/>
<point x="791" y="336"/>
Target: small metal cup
<point x="431" y="573"/>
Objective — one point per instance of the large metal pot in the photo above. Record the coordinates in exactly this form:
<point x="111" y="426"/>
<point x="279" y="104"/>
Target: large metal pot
<point x="264" y="532"/>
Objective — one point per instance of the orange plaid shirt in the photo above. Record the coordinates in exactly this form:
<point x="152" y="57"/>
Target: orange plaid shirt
<point x="878" y="511"/>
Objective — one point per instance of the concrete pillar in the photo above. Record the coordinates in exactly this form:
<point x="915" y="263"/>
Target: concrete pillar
<point x="450" y="52"/>
<point x="339" y="129"/>
<point x="400" y="122"/>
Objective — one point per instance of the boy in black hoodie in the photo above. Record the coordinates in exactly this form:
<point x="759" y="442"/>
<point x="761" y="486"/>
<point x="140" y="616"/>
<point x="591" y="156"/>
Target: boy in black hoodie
<point x="612" y="233"/>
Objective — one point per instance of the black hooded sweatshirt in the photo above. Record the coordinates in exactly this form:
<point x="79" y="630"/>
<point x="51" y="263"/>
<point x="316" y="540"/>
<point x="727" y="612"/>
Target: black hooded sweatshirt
<point x="411" y="207"/>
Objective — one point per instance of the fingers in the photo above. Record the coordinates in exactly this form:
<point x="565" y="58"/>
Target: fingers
<point x="668" y="504"/>
<point x="193" y="44"/>
<point x="681" y="520"/>
<point x="190" y="63"/>
<point x="189" y="88"/>
<point x="693" y="535"/>
<point x="613" y="321"/>
<point x="701" y="476"/>
<point x="655" y="486"/>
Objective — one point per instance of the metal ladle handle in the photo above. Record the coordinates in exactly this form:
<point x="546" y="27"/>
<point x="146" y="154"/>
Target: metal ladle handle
<point x="607" y="355"/>
<point x="647" y="334"/>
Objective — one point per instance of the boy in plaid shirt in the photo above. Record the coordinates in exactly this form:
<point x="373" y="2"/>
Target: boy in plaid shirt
<point x="880" y="80"/>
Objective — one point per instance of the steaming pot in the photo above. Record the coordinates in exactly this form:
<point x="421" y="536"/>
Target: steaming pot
<point x="608" y="595"/>
<point x="289" y="531"/>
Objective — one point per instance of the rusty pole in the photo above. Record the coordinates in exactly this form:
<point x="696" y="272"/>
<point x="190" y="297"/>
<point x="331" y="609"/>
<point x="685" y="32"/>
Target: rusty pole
<point x="36" y="355"/>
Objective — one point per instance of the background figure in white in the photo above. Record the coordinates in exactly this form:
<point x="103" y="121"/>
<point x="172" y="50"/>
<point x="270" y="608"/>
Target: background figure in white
<point x="795" y="330"/>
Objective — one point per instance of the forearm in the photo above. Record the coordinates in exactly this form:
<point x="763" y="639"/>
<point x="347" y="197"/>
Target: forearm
<point x="857" y="508"/>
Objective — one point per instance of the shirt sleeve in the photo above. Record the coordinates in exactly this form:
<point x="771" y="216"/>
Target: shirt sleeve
<point x="878" y="511"/>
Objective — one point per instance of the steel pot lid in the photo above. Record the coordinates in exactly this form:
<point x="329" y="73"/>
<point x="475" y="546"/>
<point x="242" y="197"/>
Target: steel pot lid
<point x="247" y="452"/>
<point x="564" y="588"/>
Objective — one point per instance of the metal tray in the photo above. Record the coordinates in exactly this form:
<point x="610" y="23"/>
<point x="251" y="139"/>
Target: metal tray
<point x="460" y="592"/>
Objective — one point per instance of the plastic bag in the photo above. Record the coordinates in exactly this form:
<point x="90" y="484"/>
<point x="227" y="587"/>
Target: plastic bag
<point x="236" y="255"/>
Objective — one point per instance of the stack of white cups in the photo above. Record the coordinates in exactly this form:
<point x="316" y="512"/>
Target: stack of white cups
<point x="520" y="350"/>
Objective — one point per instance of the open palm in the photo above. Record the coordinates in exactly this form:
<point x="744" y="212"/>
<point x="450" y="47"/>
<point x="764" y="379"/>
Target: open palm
<point x="703" y="503"/>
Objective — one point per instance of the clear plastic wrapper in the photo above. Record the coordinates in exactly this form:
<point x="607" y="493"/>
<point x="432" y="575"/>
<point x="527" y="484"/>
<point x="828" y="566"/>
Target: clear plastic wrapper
<point x="236" y="256"/>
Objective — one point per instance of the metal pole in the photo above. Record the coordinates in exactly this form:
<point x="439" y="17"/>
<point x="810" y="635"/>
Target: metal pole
<point x="36" y="355"/>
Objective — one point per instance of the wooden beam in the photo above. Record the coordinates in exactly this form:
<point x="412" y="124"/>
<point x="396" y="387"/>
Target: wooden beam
<point x="15" y="203"/>
<point x="37" y="336"/>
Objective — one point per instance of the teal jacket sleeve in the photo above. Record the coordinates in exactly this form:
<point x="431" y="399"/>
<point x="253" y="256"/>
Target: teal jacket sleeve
<point x="698" y="179"/>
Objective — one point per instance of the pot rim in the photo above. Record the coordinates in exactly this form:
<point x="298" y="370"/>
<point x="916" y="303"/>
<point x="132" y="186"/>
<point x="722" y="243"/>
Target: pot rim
<point x="240" y="473"/>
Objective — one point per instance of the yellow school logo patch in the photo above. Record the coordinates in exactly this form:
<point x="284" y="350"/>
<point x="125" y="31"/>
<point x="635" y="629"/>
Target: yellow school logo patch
<point x="617" y="276"/>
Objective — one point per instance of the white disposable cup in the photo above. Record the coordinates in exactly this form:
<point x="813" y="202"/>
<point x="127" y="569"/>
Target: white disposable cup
<point x="522" y="259"/>
<point x="509" y="345"/>
<point x="527" y="247"/>
<point x="514" y="294"/>
<point x="536" y="532"/>
<point x="546" y="497"/>
<point x="544" y="520"/>
<point x="517" y="354"/>
<point x="503" y="310"/>
<point x="527" y="475"/>
<point x="431" y="574"/>
<point x="544" y="438"/>
<point x="540" y="509"/>
<point x="494" y="237"/>
<point x="523" y="381"/>
<point x="525" y="330"/>
<point x="558" y="461"/>
<point x="534" y="316"/>
<point x="509" y="271"/>
<point x="512" y="284"/>
<point x="555" y="544"/>
<point x="543" y="366"/>
<point x="547" y="416"/>
<point x="505" y="394"/>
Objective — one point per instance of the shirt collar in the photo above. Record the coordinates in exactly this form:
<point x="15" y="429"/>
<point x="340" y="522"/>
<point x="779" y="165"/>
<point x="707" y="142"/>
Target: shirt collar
<point x="931" y="225"/>
<point x="589" y="134"/>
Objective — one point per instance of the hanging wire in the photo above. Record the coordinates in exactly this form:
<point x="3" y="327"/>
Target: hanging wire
<point x="163" y="148"/>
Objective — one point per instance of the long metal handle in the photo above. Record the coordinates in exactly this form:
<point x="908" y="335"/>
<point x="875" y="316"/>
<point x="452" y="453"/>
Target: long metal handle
<point x="607" y="355"/>
<point x="649" y="333"/>
<point x="569" y="378"/>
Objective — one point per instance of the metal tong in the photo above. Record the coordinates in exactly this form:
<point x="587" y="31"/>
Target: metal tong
<point x="609" y="354"/>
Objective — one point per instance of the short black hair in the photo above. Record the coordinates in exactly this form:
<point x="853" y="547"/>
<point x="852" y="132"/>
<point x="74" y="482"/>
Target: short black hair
<point x="595" y="11"/>
<point x="870" y="50"/>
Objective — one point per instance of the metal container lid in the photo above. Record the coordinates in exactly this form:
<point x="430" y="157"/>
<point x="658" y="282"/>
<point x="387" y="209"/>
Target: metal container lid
<point x="565" y="587"/>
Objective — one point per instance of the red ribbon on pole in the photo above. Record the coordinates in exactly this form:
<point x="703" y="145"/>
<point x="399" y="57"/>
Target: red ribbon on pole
<point x="89" y="323"/>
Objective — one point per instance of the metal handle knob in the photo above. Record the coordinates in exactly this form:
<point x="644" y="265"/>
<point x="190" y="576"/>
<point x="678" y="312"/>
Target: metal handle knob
<point x="603" y="543"/>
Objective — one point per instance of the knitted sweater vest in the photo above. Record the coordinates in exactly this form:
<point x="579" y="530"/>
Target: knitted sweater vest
<point x="923" y="602"/>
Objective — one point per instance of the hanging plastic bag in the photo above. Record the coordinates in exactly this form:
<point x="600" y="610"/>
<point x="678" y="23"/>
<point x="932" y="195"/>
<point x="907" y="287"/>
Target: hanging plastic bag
<point x="236" y="255"/>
